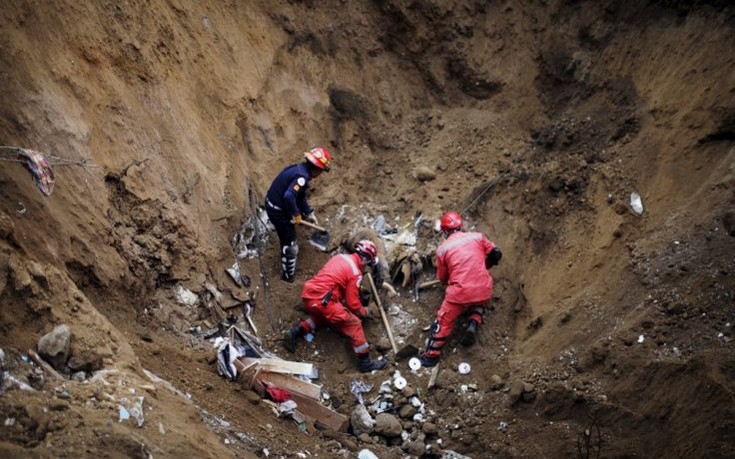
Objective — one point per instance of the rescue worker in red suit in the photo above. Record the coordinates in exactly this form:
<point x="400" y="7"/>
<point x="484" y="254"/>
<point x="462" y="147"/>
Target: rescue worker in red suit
<point x="286" y="204"/>
<point x="338" y="296"/>
<point x="463" y="260"/>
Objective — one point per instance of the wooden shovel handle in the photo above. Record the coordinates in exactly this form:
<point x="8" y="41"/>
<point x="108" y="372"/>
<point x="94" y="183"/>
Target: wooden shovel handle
<point x="430" y="283"/>
<point x="382" y="312"/>
<point x="311" y="225"/>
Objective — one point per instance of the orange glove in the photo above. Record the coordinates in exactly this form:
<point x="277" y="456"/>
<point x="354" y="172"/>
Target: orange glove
<point x="296" y="220"/>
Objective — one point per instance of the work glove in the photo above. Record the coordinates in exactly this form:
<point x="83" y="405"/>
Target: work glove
<point x="493" y="258"/>
<point x="312" y="218"/>
<point x="296" y="220"/>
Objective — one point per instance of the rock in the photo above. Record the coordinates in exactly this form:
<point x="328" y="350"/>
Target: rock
<point x="388" y="425"/>
<point x="361" y="421"/>
<point x="442" y="165"/>
<point x="79" y="376"/>
<point x="496" y="382"/>
<point x="365" y="438"/>
<point x="424" y="174"/>
<point x="516" y="390"/>
<point x="349" y="444"/>
<point x="88" y="359"/>
<point x="414" y="448"/>
<point x="54" y="346"/>
<point x="407" y="411"/>
<point x="429" y="428"/>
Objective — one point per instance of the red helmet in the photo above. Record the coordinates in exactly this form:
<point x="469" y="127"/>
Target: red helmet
<point x="319" y="157"/>
<point x="451" y="221"/>
<point x="367" y="249"/>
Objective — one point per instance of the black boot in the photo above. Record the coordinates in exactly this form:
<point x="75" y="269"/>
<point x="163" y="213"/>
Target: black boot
<point x="427" y="361"/>
<point x="291" y="338"/>
<point x="367" y="365"/>
<point x="470" y="333"/>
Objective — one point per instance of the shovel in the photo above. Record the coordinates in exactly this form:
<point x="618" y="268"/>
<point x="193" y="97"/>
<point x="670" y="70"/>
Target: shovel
<point x="320" y="238"/>
<point x="407" y="350"/>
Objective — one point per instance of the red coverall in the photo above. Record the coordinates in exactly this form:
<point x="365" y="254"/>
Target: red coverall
<point x="341" y="275"/>
<point x="461" y="265"/>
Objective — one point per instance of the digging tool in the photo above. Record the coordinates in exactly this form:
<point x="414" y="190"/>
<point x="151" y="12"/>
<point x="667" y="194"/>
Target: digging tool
<point x="320" y="238"/>
<point x="427" y="284"/>
<point x="382" y="312"/>
<point x="247" y="312"/>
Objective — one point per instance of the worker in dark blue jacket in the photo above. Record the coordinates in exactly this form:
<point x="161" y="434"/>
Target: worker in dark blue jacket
<point x="286" y="204"/>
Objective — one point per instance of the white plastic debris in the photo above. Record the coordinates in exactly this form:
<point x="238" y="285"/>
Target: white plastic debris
<point x="400" y="382"/>
<point x="636" y="203"/>
<point x="366" y="454"/>
<point x="185" y="296"/>
<point x="464" y="368"/>
<point x="641" y="338"/>
<point x="414" y="363"/>
<point x="385" y="387"/>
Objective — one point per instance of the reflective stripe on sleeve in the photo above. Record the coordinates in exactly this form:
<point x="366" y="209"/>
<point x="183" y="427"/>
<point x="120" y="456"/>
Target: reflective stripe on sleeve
<point x="351" y="262"/>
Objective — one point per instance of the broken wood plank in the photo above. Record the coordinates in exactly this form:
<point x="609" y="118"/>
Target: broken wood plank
<point x="319" y="414"/>
<point x="292" y="384"/>
<point x="44" y="365"/>
<point x="305" y="424"/>
<point x="282" y="366"/>
<point x="433" y="376"/>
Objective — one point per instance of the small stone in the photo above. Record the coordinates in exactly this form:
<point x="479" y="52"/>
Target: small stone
<point x="424" y="174"/>
<point x="388" y="425"/>
<point x="414" y="448"/>
<point x="429" y="428"/>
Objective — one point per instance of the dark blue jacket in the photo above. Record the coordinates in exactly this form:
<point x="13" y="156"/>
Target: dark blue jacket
<point x="288" y="190"/>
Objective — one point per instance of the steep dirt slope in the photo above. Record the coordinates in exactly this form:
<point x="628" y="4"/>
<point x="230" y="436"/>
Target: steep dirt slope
<point x="535" y="120"/>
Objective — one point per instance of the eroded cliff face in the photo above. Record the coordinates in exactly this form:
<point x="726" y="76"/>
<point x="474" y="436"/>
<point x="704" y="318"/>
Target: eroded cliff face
<point x="164" y="123"/>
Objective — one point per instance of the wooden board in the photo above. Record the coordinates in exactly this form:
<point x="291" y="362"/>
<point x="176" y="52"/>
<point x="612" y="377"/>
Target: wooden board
<point x="433" y="376"/>
<point x="281" y="366"/>
<point x="319" y="414"/>
<point x="292" y="384"/>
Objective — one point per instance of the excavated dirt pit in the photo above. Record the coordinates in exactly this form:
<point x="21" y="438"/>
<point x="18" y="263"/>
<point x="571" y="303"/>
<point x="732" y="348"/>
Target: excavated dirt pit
<point x="610" y="332"/>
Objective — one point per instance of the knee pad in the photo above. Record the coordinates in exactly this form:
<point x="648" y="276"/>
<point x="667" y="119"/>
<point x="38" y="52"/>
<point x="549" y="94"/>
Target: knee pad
<point x="291" y="250"/>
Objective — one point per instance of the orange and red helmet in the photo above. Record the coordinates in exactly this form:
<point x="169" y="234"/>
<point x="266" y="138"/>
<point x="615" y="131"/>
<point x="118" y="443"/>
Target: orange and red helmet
<point x="451" y="221"/>
<point x="319" y="157"/>
<point x="367" y="250"/>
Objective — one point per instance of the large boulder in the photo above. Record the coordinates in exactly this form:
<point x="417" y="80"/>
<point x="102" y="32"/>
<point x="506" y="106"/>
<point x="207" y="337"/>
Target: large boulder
<point x="54" y="346"/>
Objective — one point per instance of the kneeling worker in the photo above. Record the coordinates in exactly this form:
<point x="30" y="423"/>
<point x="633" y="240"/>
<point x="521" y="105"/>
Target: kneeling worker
<point x="337" y="296"/>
